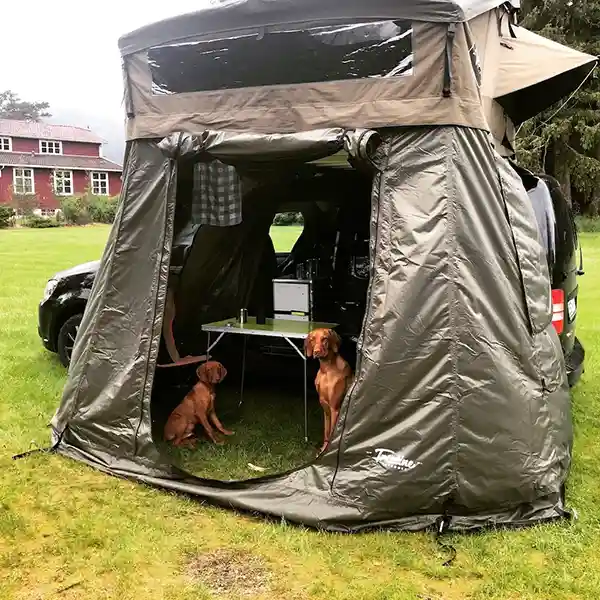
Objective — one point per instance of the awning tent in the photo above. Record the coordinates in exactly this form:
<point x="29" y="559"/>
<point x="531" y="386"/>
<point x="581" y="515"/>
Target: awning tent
<point x="460" y="407"/>
<point x="547" y="72"/>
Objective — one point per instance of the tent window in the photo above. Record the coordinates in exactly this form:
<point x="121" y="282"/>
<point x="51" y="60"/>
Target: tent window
<point x="287" y="56"/>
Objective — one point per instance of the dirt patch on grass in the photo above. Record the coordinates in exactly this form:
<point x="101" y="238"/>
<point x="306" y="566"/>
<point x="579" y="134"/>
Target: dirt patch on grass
<point x="230" y="572"/>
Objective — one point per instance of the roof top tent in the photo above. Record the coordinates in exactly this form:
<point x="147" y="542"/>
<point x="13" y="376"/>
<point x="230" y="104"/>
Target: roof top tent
<point x="460" y="407"/>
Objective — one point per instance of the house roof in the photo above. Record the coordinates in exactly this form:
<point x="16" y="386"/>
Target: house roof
<point x="45" y="131"/>
<point x="56" y="161"/>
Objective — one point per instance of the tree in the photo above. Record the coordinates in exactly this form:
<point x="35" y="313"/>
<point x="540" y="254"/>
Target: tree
<point x="24" y="204"/>
<point x="12" y="107"/>
<point x="564" y="141"/>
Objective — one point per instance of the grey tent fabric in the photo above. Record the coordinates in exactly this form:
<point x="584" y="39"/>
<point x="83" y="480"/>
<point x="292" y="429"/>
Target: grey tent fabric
<point x="460" y="407"/>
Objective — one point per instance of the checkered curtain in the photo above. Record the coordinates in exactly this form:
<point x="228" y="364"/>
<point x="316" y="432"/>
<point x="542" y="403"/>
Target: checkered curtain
<point x="217" y="195"/>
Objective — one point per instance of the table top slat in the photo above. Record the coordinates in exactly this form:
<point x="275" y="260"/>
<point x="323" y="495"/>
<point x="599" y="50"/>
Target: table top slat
<point x="272" y="328"/>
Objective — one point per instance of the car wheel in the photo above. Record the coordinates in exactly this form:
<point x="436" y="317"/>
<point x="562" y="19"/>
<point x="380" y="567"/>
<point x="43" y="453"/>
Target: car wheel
<point x="66" y="338"/>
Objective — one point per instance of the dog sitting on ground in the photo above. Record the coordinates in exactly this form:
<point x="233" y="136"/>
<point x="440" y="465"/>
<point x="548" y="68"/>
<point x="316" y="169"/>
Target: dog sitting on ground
<point x="333" y="379"/>
<point x="198" y="407"/>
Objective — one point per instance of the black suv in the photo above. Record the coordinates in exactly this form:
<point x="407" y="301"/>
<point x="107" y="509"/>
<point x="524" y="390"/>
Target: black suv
<point x="67" y="292"/>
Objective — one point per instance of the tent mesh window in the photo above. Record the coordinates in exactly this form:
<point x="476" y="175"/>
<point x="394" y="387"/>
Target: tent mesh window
<point x="289" y="56"/>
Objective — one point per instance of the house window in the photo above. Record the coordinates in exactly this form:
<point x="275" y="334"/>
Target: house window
<point x="23" y="181"/>
<point x="47" y="212"/>
<point x="100" y="184"/>
<point x="5" y="144"/>
<point x="47" y="147"/>
<point x="63" y="183"/>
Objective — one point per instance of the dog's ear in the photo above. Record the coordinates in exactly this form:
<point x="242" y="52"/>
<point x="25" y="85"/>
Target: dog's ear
<point x="221" y="373"/>
<point x="201" y="373"/>
<point x="335" y="340"/>
<point x="308" y="345"/>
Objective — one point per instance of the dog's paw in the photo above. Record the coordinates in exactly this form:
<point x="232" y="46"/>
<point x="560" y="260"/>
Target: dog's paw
<point x="189" y="443"/>
<point x="322" y="448"/>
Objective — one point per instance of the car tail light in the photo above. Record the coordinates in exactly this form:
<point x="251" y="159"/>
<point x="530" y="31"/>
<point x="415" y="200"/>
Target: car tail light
<point x="558" y="310"/>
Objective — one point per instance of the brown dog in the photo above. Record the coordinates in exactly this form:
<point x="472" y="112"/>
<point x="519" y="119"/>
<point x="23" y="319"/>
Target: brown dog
<point x="198" y="407"/>
<point x="333" y="379"/>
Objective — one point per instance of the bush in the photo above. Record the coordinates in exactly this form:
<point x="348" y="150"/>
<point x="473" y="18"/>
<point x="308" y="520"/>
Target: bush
<point x="588" y="224"/>
<point x="75" y="210"/>
<point x="40" y="222"/>
<point x="24" y="204"/>
<point x="288" y="218"/>
<point x="6" y="215"/>
<point x="102" y="209"/>
<point x="81" y="210"/>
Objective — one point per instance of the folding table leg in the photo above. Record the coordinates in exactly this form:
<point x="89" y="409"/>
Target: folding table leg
<point x="243" y="372"/>
<point x="305" y="403"/>
<point x="303" y="357"/>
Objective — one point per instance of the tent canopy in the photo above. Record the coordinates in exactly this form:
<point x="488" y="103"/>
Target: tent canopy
<point x="242" y="14"/>
<point x="248" y="65"/>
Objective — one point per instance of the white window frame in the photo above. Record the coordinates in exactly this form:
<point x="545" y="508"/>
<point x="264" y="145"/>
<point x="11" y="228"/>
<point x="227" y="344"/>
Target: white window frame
<point x="55" y="180"/>
<point x="92" y="182"/>
<point x="22" y="176"/>
<point x="47" y="145"/>
<point x="47" y="212"/>
<point x="3" y="140"/>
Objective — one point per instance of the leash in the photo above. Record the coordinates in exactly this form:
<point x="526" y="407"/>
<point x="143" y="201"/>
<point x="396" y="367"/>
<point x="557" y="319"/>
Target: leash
<point x="442" y="526"/>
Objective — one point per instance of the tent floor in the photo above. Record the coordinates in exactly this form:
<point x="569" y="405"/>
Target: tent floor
<point x="269" y="429"/>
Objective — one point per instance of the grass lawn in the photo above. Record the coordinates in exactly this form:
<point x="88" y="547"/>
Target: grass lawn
<point x="284" y="237"/>
<point x="69" y="532"/>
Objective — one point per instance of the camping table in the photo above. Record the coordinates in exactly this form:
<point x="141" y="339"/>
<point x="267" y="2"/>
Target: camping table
<point x="286" y="329"/>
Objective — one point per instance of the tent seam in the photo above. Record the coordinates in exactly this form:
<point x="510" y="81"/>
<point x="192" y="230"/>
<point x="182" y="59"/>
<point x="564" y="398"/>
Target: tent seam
<point x="168" y="225"/>
<point x="452" y="292"/>
<point x="350" y="397"/>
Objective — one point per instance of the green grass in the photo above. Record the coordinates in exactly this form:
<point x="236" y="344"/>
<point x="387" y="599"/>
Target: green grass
<point x="588" y="224"/>
<point x="284" y="237"/>
<point x="70" y="532"/>
<point x="268" y="426"/>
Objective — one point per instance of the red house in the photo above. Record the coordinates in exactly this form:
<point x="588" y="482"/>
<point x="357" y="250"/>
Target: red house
<point x="53" y="160"/>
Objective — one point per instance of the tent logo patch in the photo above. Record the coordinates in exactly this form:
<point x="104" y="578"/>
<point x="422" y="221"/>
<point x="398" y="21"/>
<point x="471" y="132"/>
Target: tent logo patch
<point x="393" y="460"/>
